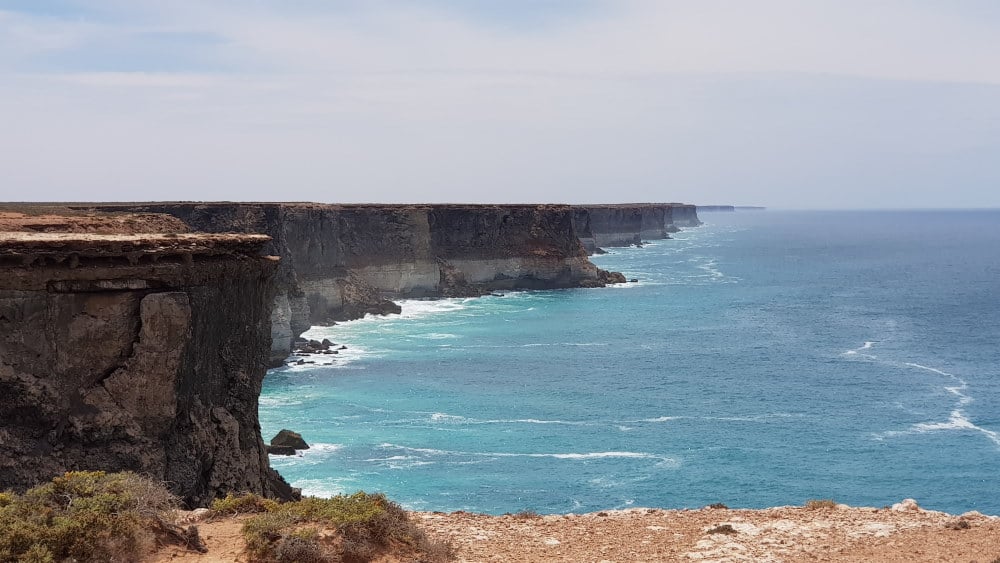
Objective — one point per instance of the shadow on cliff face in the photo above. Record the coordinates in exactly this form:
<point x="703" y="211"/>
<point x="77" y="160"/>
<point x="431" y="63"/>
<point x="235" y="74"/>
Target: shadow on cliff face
<point x="141" y="365"/>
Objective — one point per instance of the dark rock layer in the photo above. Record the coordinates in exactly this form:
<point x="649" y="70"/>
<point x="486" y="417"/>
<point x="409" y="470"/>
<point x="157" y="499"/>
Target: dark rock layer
<point x="135" y="353"/>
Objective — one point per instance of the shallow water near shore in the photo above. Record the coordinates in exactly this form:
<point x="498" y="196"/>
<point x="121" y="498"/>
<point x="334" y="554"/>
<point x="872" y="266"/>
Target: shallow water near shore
<point x="763" y="359"/>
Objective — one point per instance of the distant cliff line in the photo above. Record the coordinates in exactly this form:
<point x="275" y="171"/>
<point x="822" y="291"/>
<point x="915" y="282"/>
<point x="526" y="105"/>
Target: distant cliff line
<point x="340" y="262"/>
<point x="130" y="343"/>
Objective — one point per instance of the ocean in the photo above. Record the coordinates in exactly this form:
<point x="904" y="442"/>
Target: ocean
<point x="763" y="359"/>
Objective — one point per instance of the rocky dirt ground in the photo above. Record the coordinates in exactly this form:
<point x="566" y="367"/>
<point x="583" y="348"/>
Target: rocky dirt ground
<point x="48" y="219"/>
<point x="784" y="534"/>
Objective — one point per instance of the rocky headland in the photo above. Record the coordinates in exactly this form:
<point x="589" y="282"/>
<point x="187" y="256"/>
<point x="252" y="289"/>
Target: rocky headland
<point x="128" y="350"/>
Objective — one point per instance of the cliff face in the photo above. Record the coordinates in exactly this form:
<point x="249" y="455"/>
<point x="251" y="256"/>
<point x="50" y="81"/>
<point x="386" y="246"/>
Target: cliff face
<point x="630" y="224"/>
<point x="683" y="215"/>
<point x="135" y="352"/>
<point x="342" y="261"/>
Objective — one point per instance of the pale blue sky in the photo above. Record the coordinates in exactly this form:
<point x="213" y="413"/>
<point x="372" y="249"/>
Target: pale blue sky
<point x="786" y="103"/>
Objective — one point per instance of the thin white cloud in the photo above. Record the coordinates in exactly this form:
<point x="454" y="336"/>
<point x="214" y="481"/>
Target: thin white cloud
<point x="774" y="102"/>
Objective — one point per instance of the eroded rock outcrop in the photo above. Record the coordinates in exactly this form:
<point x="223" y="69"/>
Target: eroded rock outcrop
<point x="628" y="224"/>
<point x="135" y="352"/>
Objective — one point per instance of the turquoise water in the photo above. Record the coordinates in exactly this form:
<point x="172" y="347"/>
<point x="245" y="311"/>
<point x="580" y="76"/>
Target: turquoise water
<point x="764" y="359"/>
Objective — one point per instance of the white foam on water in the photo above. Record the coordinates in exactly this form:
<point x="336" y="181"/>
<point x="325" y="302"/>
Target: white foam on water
<point x="315" y="455"/>
<point x="662" y="460"/>
<point x="324" y="488"/>
<point x="418" y="308"/>
<point x="636" y="285"/>
<point x="752" y="418"/>
<point x="932" y="370"/>
<point x="657" y="419"/>
<point x="537" y="421"/>
<point x="859" y="351"/>
<point x="434" y="336"/>
<point x="957" y="419"/>
<point x="456" y="419"/>
<point x="711" y="268"/>
<point x="325" y="448"/>
<point x="277" y="401"/>
<point x="342" y="359"/>
<point x="543" y="344"/>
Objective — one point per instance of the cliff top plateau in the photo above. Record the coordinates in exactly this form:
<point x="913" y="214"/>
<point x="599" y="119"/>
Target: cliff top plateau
<point x="903" y="533"/>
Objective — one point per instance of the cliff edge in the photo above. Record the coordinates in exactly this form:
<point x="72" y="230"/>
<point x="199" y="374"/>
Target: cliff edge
<point x="340" y="262"/>
<point x="141" y="352"/>
<point x="627" y="224"/>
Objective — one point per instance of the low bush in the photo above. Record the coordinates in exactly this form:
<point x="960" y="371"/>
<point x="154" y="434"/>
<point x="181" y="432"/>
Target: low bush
<point x="366" y="526"/>
<point x="85" y="516"/>
<point x="821" y="504"/>
<point x="726" y="529"/>
<point x="249" y="503"/>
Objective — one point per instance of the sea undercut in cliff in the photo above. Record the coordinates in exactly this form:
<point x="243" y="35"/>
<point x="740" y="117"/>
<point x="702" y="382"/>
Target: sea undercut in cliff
<point x="135" y="352"/>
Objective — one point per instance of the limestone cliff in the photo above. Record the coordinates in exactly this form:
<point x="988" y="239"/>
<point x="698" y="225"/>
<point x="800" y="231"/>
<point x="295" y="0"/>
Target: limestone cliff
<point x="629" y="224"/>
<point x="342" y="261"/>
<point x="135" y="352"/>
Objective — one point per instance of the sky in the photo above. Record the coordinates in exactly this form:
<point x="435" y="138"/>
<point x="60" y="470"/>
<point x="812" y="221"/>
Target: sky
<point x="818" y="104"/>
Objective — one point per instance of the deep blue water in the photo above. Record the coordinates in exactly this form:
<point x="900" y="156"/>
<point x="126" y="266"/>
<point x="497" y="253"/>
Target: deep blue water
<point x="764" y="359"/>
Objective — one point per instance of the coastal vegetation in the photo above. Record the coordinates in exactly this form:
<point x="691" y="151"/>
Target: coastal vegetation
<point x="87" y="516"/>
<point x="106" y="517"/>
<point x="353" y="528"/>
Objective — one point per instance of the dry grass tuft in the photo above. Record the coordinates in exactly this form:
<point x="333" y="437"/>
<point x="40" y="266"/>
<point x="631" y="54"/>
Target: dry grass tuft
<point x="821" y="504"/>
<point x="726" y="529"/>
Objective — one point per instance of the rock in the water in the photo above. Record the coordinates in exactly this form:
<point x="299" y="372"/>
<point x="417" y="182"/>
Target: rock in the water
<point x="634" y="280"/>
<point x="280" y="450"/>
<point x="291" y="439"/>
<point x="607" y="277"/>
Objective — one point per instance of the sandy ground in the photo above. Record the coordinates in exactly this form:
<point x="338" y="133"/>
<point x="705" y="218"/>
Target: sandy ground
<point x="784" y="534"/>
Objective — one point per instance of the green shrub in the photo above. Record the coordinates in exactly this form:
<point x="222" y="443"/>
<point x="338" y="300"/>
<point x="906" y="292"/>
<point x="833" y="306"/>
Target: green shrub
<point x="248" y="503"/>
<point x="821" y="504"/>
<point x="264" y="534"/>
<point x="84" y="516"/>
<point x="366" y="525"/>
